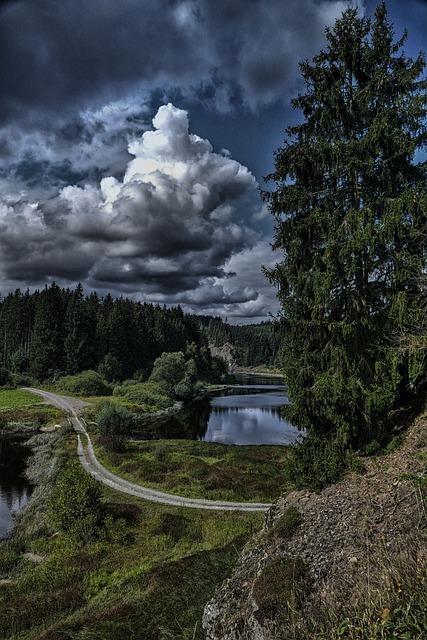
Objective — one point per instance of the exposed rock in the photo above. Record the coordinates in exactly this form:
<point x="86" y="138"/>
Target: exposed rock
<point x="226" y="352"/>
<point x="34" y="557"/>
<point x="350" y="532"/>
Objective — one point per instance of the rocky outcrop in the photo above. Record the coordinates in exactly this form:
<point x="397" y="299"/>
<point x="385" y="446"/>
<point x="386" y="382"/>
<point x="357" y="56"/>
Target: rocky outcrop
<point x="351" y="537"/>
<point x="226" y="352"/>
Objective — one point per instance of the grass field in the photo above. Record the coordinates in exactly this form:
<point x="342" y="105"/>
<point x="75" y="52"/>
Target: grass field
<point x="202" y="469"/>
<point x="17" y="399"/>
<point x="22" y="412"/>
<point x="150" y="585"/>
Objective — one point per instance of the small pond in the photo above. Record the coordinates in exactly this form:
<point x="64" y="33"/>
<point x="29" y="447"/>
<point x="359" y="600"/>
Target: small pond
<point x="15" y="489"/>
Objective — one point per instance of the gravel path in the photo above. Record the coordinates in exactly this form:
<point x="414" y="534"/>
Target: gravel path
<point x="90" y="463"/>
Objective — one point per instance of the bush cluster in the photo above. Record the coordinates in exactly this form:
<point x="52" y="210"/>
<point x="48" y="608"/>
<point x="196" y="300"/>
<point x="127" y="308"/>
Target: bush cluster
<point x="87" y="383"/>
<point x="115" y="423"/>
<point x="143" y="396"/>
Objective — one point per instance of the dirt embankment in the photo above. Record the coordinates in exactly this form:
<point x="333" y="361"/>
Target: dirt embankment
<point x="353" y="537"/>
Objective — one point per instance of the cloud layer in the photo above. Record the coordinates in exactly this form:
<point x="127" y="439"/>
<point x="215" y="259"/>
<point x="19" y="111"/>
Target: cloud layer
<point x="59" y="56"/>
<point x="90" y="191"/>
<point x="167" y="230"/>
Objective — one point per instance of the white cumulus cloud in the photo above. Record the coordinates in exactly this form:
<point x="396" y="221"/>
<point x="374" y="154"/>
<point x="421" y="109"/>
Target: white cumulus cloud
<point x="168" y="230"/>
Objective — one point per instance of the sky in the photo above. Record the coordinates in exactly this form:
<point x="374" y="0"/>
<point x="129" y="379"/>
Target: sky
<point x="135" y="136"/>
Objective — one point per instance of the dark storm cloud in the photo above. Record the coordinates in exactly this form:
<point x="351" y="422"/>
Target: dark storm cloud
<point x="45" y="157"/>
<point x="89" y="192"/>
<point x="167" y="227"/>
<point x="59" y="56"/>
<point x="55" y="52"/>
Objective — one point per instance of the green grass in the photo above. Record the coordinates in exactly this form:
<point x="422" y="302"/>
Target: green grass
<point x="202" y="469"/>
<point x="18" y="399"/>
<point x="22" y="413"/>
<point x="153" y="585"/>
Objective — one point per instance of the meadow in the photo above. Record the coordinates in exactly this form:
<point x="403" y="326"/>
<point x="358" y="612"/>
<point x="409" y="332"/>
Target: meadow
<point x="202" y="469"/>
<point x="18" y="399"/>
<point x="146" y="575"/>
<point x="23" y="413"/>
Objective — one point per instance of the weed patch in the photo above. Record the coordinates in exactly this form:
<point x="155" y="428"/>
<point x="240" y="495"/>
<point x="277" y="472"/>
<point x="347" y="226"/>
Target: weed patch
<point x="285" y="527"/>
<point x="202" y="469"/>
<point x="281" y="589"/>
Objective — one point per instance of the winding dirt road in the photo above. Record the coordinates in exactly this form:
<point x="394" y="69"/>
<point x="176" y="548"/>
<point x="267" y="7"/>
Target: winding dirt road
<point x="90" y="463"/>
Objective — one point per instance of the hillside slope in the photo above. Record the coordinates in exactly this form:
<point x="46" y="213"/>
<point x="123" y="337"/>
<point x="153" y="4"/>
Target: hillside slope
<point x="357" y="561"/>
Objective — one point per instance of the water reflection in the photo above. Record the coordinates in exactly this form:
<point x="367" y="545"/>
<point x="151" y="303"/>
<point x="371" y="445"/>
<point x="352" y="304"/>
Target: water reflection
<point x="248" y="414"/>
<point x="15" y="490"/>
<point x="251" y="418"/>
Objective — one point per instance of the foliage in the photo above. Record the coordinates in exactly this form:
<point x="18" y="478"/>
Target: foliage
<point x="75" y="504"/>
<point x="349" y="206"/>
<point x="46" y="345"/>
<point x="251" y="345"/>
<point x="86" y="383"/>
<point x="143" y="396"/>
<point x="114" y="423"/>
<point x="285" y="526"/>
<point x="79" y="334"/>
<point x="5" y="377"/>
<point x="175" y="375"/>
<point x="110" y="368"/>
<point x="318" y="461"/>
<point x="168" y="371"/>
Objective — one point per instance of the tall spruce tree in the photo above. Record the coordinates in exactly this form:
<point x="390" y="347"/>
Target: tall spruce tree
<point x="79" y="334"/>
<point x="348" y="206"/>
<point x="47" y="346"/>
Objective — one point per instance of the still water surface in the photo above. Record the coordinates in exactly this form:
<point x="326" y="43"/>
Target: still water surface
<point x="15" y="490"/>
<point x="249" y="414"/>
<point x="252" y="415"/>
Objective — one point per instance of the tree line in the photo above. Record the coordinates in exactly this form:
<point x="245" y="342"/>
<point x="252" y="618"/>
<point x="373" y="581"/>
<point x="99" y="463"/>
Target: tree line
<point x="55" y="332"/>
<point x="59" y="331"/>
<point x="252" y="345"/>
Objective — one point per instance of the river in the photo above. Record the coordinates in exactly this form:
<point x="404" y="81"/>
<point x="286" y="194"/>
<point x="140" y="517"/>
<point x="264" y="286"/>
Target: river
<point x="249" y="413"/>
<point x="15" y="489"/>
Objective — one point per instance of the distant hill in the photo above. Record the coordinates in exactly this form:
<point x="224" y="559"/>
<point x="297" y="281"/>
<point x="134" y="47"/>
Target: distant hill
<point x="249" y="345"/>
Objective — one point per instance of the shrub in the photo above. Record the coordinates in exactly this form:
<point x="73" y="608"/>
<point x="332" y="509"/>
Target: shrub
<point x="168" y="370"/>
<point x="87" y="383"/>
<point x="75" y="504"/>
<point x="319" y="461"/>
<point x="114" y="424"/>
<point x="148" y="396"/>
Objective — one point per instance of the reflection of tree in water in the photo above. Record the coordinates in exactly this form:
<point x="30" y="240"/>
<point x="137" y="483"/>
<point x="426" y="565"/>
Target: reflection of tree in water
<point x="190" y="423"/>
<point x="14" y="488"/>
<point x="273" y="410"/>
